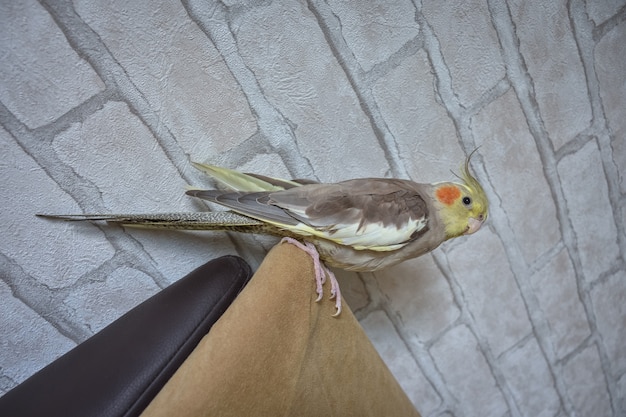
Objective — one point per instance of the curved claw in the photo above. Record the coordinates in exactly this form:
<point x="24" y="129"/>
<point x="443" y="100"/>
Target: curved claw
<point x="335" y="291"/>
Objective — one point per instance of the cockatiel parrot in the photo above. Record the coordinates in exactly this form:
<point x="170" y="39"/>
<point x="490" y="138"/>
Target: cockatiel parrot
<point x="359" y="225"/>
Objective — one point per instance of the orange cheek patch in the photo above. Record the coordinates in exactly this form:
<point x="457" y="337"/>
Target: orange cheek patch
<point x="448" y="194"/>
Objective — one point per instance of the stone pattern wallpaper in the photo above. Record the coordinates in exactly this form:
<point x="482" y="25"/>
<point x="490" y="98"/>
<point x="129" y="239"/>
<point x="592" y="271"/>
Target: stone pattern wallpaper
<point x="103" y="104"/>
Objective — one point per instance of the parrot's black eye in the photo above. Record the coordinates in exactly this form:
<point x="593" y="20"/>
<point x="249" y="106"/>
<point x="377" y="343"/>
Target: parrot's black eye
<point x="467" y="201"/>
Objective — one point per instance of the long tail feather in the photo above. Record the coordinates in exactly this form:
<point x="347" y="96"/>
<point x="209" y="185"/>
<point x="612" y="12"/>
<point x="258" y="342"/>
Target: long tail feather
<point x="215" y="220"/>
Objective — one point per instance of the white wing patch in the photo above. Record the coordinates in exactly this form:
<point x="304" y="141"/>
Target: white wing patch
<point x="371" y="236"/>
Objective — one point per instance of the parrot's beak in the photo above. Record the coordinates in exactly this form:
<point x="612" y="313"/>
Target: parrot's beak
<point x="473" y="225"/>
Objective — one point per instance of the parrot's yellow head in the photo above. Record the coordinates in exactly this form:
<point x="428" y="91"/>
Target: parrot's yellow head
<point x="463" y="206"/>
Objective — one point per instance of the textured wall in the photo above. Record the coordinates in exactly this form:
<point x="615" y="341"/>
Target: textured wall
<point x="101" y="103"/>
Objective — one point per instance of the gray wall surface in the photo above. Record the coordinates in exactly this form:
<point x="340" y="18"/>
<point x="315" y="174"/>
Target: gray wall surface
<point x="102" y="104"/>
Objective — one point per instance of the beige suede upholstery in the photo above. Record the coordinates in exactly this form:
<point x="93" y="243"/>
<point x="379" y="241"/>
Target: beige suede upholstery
<point x="276" y="352"/>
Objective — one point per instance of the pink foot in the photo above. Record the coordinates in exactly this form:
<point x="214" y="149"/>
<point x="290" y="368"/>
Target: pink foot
<point x="320" y="273"/>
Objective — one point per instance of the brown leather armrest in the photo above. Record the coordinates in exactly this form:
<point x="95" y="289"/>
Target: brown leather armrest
<point x="119" y="370"/>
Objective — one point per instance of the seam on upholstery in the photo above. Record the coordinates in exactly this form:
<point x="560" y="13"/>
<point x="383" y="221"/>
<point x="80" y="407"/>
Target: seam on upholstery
<point x="243" y="270"/>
